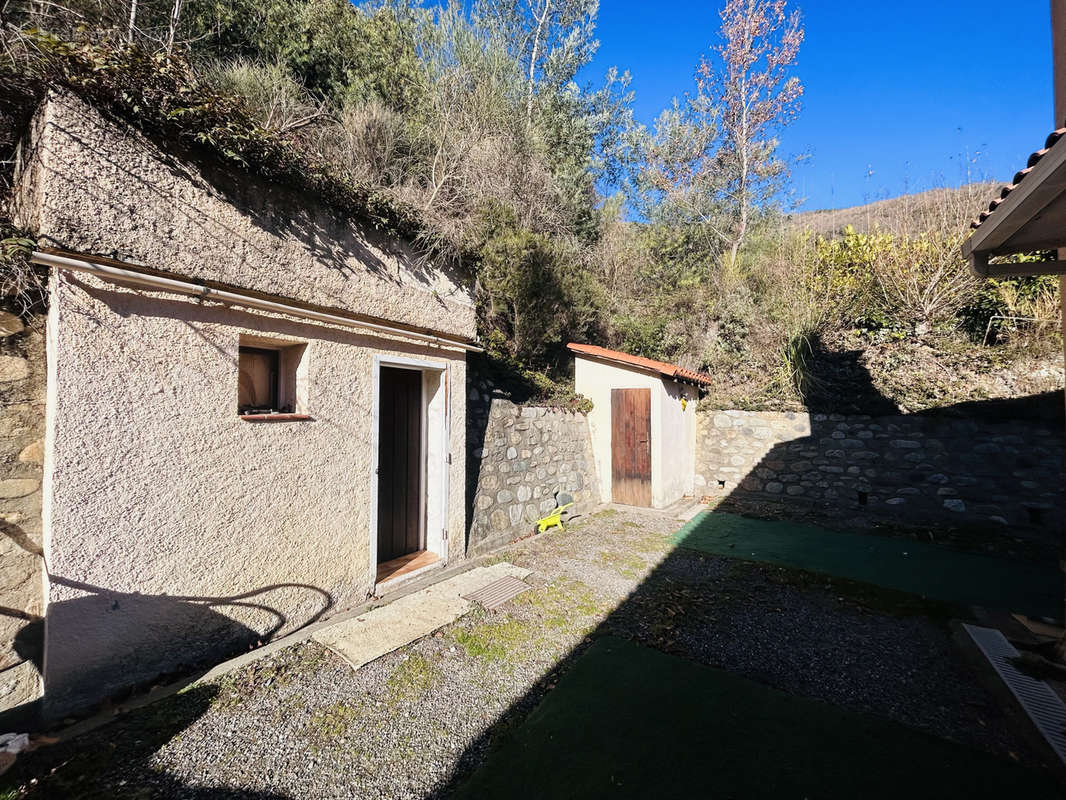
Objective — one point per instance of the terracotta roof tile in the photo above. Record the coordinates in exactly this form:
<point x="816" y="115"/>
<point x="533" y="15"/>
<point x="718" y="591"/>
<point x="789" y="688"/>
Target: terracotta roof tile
<point x="650" y="364"/>
<point x="1019" y="176"/>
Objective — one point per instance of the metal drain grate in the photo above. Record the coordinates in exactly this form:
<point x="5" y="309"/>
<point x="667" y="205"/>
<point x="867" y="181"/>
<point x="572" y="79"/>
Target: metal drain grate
<point x="1044" y="707"/>
<point x="498" y="592"/>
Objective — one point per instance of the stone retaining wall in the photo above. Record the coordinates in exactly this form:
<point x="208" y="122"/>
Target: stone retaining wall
<point x="917" y="468"/>
<point x="22" y="401"/>
<point x="519" y="457"/>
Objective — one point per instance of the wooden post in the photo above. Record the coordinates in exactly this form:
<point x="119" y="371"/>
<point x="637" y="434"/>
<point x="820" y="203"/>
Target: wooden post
<point x="1058" y="66"/>
<point x="1058" y="59"/>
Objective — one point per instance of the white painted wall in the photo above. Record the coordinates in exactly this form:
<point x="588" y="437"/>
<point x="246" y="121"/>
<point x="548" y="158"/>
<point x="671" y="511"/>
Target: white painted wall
<point x="673" y="429"/>
<point x="678" y="438"/>
<point x="173" y="527"/>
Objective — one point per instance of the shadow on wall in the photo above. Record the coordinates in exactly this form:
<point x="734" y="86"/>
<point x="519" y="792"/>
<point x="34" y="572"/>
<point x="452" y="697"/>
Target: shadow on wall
<point x="278" y="209"/>
<point x="105" y="645"/>
<point x="993" y="467"/>
<point x="806" y="649"/>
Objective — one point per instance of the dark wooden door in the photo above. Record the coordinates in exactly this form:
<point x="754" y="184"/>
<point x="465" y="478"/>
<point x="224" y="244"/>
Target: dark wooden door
<point x="399" y="463"/>
<point x="631" y="446"/>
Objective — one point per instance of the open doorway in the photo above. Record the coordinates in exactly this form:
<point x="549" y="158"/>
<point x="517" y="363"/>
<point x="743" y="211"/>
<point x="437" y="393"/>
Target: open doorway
<point x="408" y="531"/>
<point x="400" y="451"/>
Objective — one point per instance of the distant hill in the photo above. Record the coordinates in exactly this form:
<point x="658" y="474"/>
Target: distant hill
<point x="936" y="209"/>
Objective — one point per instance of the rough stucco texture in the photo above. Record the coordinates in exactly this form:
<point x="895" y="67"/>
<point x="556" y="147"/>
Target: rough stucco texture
<point x="99" y="187"/>
<point x="177" y="531"/>
<point x="22" y="398"/>
<point x="673" y="428"/>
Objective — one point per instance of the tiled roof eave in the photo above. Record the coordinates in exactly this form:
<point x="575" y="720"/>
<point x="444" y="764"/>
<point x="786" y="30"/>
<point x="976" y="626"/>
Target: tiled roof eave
<point x="672" y="371"/>
<point x="1055" y="143"/>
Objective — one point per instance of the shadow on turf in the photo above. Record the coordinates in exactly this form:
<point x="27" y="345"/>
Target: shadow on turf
<point x="611" y="704"/>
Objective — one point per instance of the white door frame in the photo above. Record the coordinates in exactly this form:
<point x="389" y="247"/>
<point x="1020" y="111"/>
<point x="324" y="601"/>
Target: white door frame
<point x="435" y="541"/>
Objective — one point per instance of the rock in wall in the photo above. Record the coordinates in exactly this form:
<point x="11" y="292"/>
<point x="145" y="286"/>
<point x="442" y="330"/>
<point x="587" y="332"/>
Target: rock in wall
<point x="920" y="469"/>
<point x="22" y="402"/>
<point x="519" y="458"/>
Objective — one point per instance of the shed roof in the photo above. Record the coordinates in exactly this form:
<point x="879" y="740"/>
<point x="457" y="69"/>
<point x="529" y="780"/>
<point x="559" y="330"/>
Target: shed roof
<point x="1028" y="215"/>
<point x="649" y="364"/>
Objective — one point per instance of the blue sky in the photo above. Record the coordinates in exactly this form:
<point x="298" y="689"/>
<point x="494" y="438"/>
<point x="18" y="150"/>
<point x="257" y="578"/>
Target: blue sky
<point x="899" y="96"/>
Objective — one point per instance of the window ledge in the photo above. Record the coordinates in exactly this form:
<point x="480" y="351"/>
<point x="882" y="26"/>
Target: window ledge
<point x="276" y="417"/>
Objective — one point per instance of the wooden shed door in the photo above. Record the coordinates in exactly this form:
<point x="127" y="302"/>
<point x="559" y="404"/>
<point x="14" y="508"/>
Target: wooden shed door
<point x="399" y="463"/>
<point x="631" y="446"/>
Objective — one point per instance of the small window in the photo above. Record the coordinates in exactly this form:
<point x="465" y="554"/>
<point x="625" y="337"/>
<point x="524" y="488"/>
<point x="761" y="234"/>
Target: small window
<point x="271" y="378"/>
<point x="257" y="389"/>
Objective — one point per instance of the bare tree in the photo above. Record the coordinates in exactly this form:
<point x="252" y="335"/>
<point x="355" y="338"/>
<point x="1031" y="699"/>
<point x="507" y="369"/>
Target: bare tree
<point x="175" y="18"/>
<point x="132" y="26"/>
<point x="748" y="81"/>
<point x="531" y="82"/>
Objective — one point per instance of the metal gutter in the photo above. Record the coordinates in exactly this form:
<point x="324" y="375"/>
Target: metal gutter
<point x="159" y="283"/>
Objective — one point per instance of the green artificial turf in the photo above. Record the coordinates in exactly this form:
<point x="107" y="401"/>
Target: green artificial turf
<point x="631" y="722"/>
<point x="925" y="569"/>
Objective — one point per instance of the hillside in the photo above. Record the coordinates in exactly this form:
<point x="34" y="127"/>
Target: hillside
<point x="906" y="214"/>
<point x="431" y="125"/>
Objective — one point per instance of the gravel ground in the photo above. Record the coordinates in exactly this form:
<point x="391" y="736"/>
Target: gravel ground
<point x="302" y="724"/>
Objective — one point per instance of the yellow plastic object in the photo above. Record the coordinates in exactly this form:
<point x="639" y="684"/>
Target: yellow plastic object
<point x="554" y="519"/>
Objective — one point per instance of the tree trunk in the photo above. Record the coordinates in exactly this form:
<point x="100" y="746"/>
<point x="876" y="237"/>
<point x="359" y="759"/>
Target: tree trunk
<point x="175" y="16"/>
<point x="133" y="21"/>
<point x="533" y="63"/>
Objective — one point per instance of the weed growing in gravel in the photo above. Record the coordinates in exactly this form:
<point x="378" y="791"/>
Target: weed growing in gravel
<point x="410" y="679"/>
<point x="605" y="513"/>
<point x="628" y="566"/>
<point x="652" y="542"/>
<point x="493" y="641"/>
<point x="277" y="670"/>
<point x="329" y="725"/>
<point x="561" y="604"/>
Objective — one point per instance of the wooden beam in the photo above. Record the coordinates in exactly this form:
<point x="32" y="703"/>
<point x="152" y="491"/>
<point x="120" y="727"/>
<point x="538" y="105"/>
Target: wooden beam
<point x="1058" y="58"/>
<point x="1014" y="269"/>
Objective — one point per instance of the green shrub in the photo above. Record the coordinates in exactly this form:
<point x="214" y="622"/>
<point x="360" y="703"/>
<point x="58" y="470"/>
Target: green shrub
<point x="1033" y="299"/>
<point x="532" y="294"/>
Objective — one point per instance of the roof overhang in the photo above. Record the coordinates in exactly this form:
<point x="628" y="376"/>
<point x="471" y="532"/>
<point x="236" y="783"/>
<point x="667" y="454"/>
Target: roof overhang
<point x="1028" y="216"/>
<point x="146" y="277"/>
<point x="639" y="363"/>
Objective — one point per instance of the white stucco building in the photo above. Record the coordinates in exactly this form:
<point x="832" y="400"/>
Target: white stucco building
<point x="643" y="424"/>
<point x="255" y="406"/>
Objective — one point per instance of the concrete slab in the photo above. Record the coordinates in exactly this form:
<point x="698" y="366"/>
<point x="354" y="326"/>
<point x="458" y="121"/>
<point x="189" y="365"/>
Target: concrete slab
<point x="362" y="639"/>
<point x="691" y="512"/>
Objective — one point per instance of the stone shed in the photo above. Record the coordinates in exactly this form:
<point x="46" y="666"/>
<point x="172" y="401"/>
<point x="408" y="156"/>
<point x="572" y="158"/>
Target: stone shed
<point x="642" y="425"/>
<point x="254" y="408"/>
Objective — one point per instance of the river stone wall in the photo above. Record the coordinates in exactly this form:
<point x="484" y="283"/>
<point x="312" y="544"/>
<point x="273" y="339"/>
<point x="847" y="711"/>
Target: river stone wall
<point x="520" y="456"/>
<point x="916" y="469"/>
<point x="22" y="401"/>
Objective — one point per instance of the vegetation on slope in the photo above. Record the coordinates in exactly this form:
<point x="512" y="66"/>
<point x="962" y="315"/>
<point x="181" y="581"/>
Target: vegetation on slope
<point x="464" y="127"/>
